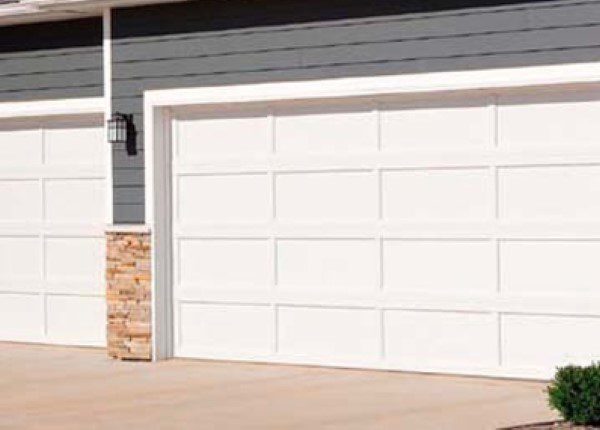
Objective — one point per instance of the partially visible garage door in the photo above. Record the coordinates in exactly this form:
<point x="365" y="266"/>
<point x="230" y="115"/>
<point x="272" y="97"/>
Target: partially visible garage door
<point x="52" y="212"/>
<point x="437" y="234"/>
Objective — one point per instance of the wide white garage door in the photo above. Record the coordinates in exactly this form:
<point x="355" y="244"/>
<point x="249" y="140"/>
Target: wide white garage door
<point x="52" y="211"/>
<point x="456" y="233"/>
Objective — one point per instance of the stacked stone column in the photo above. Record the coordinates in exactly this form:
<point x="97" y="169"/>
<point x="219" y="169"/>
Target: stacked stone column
<point x="128" y="279"/>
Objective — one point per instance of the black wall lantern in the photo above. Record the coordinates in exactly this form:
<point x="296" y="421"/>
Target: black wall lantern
<point x="121" y="130"/>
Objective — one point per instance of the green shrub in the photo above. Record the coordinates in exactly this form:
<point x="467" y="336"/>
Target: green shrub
<point x="575" y="394"/>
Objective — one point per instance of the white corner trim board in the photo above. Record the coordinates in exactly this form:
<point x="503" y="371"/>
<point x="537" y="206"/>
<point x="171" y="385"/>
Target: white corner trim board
<point x="482" y="177"/>
<point x="108" y="93"/>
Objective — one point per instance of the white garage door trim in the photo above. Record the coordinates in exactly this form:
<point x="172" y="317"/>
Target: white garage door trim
<point x="158" y="198"/>
<point x="39" y="114"/>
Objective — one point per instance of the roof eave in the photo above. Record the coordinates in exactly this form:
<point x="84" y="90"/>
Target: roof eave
<point x="28" y="11"/>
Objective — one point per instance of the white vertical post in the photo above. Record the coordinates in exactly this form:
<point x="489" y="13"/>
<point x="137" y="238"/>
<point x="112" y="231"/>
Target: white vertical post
<point x="107" y="69"/>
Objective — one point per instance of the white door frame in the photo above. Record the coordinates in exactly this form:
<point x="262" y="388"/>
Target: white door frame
<point x="157" y="113"/>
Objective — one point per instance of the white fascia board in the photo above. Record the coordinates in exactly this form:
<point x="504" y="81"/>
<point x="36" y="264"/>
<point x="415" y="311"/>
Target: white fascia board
<point x="29" y="11"/>
<point x="490" y="79"/>
<point x="83" y="106"/>
<point x="82" y="5"/>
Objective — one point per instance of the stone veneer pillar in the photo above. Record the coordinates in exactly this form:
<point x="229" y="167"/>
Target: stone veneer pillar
<point x="129" y="300"/>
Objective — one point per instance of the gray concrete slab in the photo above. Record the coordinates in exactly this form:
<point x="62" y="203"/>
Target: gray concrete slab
<point x="68" y="388"/>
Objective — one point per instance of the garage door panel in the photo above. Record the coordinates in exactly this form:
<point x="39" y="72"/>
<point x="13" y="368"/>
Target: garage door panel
<point x="327" y="265"/>
<point x="328" y="333"/>
<point x="222" y="264"/>
<point x="550" y="192"/>
<point x="51" y="286"/>
<point x="224" y="198"/>
<point x="223" y="135"/>
<point x="20" y="200"/>
<point x="88" y="193"/>
<point x="565" y="266"/>
<point x="458" y="124"/>
<point x="20" y="258"/>
<point x="441" y="339"/>
<point x="76" y="320"/>
<point x="319" y="130"/>
<point x="326" y="196"/>
<point x="21" y="317"/>
<point x="548" y="120"/>
<point x="421" y="234"/>
<point x="452" y="194"/>
<point x="20" y="147"/>
<point x="75" y="260"/>
<point x="74" y="145"/>
<point x="439" y="266"/>
<point x="226" y="330"/>
<point x="559" y="340"/>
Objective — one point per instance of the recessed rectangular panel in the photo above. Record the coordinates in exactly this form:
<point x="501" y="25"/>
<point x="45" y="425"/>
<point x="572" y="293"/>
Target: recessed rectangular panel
<point x="439" y="266"/>
<point x="549" y="341"/>
<point x="326" y="196"/>
<point x="77" y="320"/>
<point x="445" y="339"/>
<point x="224" y="198"/>
<point x="327" y="266"/>
<point x="75" y="200"/>
<point x="568" y="267"/>
<point x="75" y="145"/>
<point x="226" y="330"/>
<point x="451" y="194"/>
<point x="20" y="147"/>
<point x="314" y="130"/>
<point x="227" y="135"/>
<point x="21" y="200"/>
<point x="225" y="264"/>
<point x="547" y="120"/>
<point x="337" y="334"/>
<point x="21" y="318"/>
<point x="77" y="260"/>
<point x="551" y="192"/>
<point x="20" y="258"/>
<point x="443" y="125"/>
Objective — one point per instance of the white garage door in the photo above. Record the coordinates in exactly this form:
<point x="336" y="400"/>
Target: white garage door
<point x="457" y="234"/>
<point x="52" y="211"/>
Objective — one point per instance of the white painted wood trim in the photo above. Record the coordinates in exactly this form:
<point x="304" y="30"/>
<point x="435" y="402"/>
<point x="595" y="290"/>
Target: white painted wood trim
<point x="107" y="74"/>
<point x="157" y="104"/>
<point x="157" y="161"/>
<point x="82" y="106"/>
<point x="128" y="228"/>
<point x="571" y="74"/>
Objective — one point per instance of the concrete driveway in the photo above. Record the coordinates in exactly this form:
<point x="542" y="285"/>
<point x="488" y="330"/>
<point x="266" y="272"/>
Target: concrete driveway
<point x="65" y="388"/>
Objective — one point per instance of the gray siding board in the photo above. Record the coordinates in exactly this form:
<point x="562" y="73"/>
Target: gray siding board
<point x="68" y="79"/>
<point x="128" y="195"/>
<point x="51" y="93"/>
<point x="84" y="61"/>
<point x="128" y="177"/>
<point x="147" y="55"/>
<point x="129" y="213"/>
<point x="474" y="46"/>
<point x="122" y="160"/>
<point x="51" y="60"/>
<point x="449" y="27"/>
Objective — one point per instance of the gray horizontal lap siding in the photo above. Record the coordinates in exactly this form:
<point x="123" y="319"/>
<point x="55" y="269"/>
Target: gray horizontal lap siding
<point x="51" y="60"/>
<point x="219" y="43"/>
